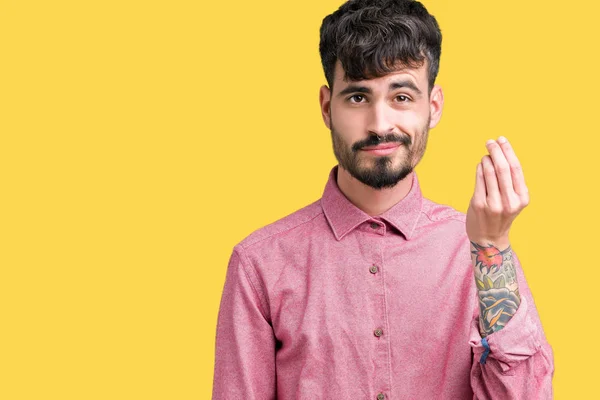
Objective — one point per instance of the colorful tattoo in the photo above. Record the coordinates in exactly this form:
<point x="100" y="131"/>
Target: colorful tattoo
<point x="496" y="280"/>
<point x="489" y="257"/>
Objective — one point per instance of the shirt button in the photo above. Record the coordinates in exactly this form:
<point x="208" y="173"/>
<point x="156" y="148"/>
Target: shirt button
<point x="373" y="269"/>
<point x="374" y="225"/>
<point x="378" y="332"/>
<point x="380" y="396"/>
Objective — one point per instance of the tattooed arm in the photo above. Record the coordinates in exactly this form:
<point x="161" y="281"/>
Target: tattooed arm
<point x="500" y="195"/>
<point x="511" y="357"/>
<point x="497" y="286"/>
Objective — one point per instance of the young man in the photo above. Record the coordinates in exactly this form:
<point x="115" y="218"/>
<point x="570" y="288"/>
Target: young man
<point x="373" y="291"/>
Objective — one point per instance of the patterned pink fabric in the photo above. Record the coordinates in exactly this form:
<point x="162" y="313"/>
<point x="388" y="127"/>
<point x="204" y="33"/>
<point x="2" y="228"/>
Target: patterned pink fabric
<point x="330" y="303"/>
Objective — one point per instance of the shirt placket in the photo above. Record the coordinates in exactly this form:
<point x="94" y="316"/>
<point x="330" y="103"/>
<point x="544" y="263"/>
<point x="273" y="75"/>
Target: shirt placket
<point x="382" y="378"/>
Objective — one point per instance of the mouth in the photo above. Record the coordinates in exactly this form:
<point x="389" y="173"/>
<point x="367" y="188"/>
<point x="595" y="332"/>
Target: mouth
<point x="382" y="149"/>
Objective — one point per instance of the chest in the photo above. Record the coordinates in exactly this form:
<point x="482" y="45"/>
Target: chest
<point x="415" y="293"/>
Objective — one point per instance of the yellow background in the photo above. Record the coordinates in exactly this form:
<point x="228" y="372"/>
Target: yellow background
<point x="142" y="140"/>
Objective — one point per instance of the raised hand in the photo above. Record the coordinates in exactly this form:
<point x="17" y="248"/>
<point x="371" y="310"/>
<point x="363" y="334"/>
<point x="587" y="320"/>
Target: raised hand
<point x="500" y="195"/>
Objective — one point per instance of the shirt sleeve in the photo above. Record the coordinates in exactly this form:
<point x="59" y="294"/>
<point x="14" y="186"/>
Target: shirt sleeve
<point x="245" y="342"/>
<point x="515" y="362"/>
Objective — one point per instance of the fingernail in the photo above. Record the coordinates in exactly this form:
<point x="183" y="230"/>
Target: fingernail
<point x="502" y="139"/>
<point x="489" y="142"/>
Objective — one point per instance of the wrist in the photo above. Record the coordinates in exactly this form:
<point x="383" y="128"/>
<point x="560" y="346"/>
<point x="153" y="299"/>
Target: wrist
<point x="500" y="243"/>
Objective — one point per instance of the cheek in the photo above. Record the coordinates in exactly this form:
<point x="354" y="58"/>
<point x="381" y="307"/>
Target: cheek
<point x="411" y="121"/>
<point x="349" y="124"/>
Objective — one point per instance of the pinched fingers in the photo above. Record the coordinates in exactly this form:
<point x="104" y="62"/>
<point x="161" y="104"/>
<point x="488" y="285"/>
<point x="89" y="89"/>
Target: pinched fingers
<point x="505" y="170"/>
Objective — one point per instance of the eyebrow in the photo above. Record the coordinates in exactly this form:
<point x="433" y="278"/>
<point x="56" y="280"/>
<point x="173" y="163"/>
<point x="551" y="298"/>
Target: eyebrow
<point x="393" y="86"/>
<point x="404" y="83"/>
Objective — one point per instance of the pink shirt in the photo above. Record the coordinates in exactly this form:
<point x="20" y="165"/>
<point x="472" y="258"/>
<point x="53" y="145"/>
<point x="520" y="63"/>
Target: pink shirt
<point x="331" y="303"/>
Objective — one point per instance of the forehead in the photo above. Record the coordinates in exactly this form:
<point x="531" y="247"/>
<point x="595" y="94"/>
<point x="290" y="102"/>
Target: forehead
<point x="417" y="75"/>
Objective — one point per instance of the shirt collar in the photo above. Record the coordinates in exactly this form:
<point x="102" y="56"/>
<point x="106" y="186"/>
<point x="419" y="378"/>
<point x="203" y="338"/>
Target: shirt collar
<point x="343" y="216"/>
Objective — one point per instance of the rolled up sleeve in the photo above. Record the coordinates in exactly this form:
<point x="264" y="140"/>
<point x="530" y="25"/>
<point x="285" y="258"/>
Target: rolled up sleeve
<point x="245" y="343"/>
<point x="515" y="362"/>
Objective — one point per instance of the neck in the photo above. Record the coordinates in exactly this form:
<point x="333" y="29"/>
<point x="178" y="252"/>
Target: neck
<point x="372" y="201"/>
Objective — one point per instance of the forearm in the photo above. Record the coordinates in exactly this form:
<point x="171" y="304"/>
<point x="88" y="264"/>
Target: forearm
<point x="497" y="286"/>
<point x="515" y="360"/>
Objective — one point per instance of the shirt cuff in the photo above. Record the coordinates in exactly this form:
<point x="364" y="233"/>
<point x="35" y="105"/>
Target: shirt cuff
<point x="516" y="342"/>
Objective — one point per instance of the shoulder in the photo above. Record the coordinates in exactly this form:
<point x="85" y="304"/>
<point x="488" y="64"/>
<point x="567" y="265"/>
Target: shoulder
<point x="444" y="228"/>
<point x="437" y="212"/>
<point x="285" y="228"/>
<point x="442" y="219"/>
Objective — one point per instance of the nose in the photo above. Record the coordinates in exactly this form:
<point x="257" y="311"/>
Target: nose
<point x="380" y="119"/>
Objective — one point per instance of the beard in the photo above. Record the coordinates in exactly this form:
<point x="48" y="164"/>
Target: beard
<point x="379" y="172"/>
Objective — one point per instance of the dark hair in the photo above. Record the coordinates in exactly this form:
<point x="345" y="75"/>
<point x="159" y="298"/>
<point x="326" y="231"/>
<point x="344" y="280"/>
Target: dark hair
<point x="370" y="37"/>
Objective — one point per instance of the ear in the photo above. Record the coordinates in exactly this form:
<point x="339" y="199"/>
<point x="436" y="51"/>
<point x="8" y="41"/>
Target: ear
<point x="325" y="100"/>
<point x="436" y="104"/>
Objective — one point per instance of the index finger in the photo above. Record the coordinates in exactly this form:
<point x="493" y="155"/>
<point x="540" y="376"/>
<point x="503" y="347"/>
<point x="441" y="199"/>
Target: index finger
<point x="515" y="166"/>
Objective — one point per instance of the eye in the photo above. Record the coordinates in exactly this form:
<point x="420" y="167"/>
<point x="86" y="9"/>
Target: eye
<point x="356" y="98"/>
<point x="402" y="98"/>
